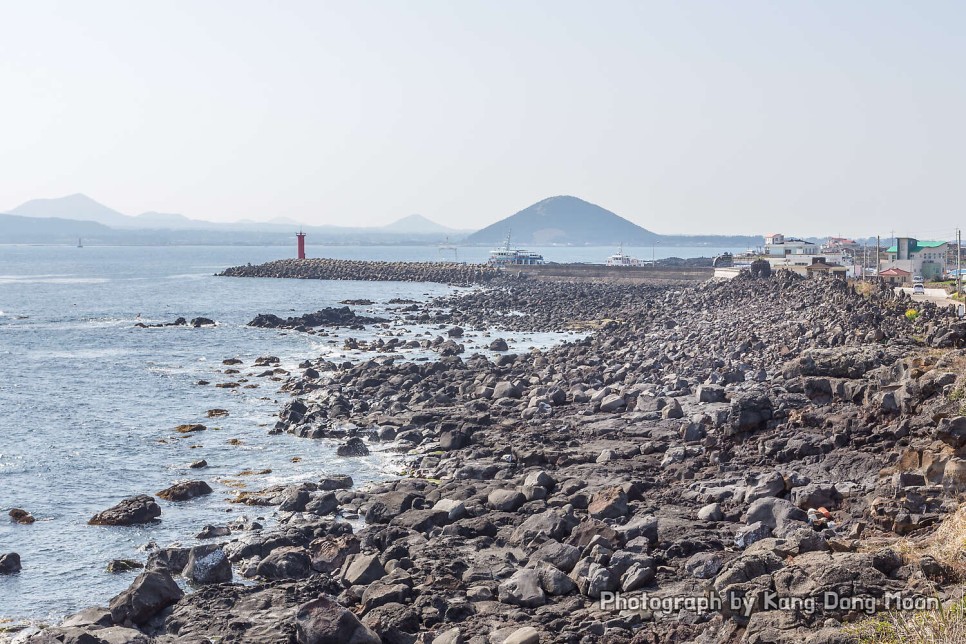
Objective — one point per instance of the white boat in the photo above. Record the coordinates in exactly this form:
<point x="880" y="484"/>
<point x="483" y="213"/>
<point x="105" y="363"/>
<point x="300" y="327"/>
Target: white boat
<point x="620" y="259"/>
<point x="508" y="256"/>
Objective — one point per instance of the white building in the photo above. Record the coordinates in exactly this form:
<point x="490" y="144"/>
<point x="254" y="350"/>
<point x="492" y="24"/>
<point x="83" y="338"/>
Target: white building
<point x="789" y="252"/>
<point x="925" y="258"/>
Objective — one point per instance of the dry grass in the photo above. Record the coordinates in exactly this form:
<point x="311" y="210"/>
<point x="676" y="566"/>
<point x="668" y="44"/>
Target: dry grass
<point x="947" y="544"/>
<point x="865" y="289"/>
<point x="947" y="625"/>
<point x="944" y="626"/>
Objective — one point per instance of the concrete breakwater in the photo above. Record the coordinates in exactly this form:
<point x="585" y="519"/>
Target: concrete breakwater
<point x="467" y="274"/>
<point x="346" y="269"/>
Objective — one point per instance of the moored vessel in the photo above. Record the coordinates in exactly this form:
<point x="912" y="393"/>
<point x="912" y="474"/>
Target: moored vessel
<point x="508" y="256"/>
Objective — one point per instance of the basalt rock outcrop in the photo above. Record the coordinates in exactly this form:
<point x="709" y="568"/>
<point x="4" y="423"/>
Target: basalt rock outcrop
<point x="329" y="316"/>
<point x="132" y="511"/>
<point x="756" y="441"/>
<point x="195" y="322"/>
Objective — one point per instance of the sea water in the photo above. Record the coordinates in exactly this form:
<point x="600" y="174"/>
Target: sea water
<point x="89" y="402"/>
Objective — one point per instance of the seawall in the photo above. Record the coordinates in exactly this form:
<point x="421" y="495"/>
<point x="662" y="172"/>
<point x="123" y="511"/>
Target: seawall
<point x="345" y="269"/>
<point x="463" y="274"/>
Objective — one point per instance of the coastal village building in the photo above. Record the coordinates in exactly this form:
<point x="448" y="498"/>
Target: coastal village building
<point x="820" y="268"/>
<point x="802" y="257"/>
<point x="925" y="258"/>
<point x="841" y="244"/>
<point x="896" y="277"/>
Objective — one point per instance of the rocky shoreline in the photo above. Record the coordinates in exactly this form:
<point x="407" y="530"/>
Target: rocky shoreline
<point x="755" y="442"/>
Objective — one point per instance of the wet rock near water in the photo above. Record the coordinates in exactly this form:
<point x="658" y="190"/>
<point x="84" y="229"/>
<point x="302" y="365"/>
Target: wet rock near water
<point x="116" y="566"/>
<point x="150" y="593"/>
<point x="185" y="491"/>
<point x="330" y="316"/>
<point x="21" y="516"/>
<point x="195" y="322"/>
<point x="132" y="511"/>
<point x="9" y="563"/>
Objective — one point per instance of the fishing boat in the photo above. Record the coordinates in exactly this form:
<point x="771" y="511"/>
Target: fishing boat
<point x="508" y="256"/>
<point x="620" y="259"/>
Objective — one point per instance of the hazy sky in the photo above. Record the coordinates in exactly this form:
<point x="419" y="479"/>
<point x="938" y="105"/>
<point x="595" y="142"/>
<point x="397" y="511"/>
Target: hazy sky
<point x="685" y="117"/>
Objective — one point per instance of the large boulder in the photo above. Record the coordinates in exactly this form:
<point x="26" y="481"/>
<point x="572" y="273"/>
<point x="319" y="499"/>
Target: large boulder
<point x="506" y="389"/>
<point x="324" y="621"/>
<point x="672" y="410"/>
<point x="613" y="402"/>
<point x="9" y="563"/>
<point x="329" y="553"/>
<point x="610" y="503"/>
<point x="362" y="569"/>
<point x="379" y="594"/>
<point x="523" y="589"/>
<point x="952" y="431"/>
<point x="777" y="514"/>
<point x="765" y="485"/>
<point x="560" y="555"/>
<point x="750" y="413"/>
<point x="184" y="491"/>
<point x="285" y="563"/>
<point x="149" y="594"/>
<point x="505" y="500"/>
<point x="353" y="447"/>
<point x="710" y="394"/>
<point x="386" y="506"/>
<point x="138" y="509"/>
<point x="207" y="565"/>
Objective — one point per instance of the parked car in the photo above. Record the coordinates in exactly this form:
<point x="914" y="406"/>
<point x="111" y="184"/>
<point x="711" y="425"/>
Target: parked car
<point x="918" y="289"/>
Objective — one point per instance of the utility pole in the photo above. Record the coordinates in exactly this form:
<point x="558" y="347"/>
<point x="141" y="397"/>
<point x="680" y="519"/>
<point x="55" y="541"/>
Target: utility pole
<point x="865" y="259"/>
<point x="877" y="247"/>
<point x="959" y="261"/>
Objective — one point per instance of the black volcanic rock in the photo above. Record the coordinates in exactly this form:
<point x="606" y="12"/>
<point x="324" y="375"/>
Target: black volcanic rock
<point x="329" y="316"/>
<point x="138" y="509"/>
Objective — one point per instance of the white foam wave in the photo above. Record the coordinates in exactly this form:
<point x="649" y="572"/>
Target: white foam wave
<point x="35" y="279"/>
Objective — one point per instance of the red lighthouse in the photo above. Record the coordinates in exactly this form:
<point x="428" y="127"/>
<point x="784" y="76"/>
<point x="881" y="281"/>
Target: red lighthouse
<point x="301" y="237"/>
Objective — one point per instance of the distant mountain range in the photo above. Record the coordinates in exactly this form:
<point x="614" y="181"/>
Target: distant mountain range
<point x="561" y="220"/>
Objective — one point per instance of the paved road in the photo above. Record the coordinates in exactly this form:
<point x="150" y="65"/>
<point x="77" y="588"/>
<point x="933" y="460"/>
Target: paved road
<point x="937" y="296"/>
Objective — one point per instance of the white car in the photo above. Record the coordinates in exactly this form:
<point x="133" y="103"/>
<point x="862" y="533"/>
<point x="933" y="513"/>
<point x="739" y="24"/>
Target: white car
<point x="917" y="289"/>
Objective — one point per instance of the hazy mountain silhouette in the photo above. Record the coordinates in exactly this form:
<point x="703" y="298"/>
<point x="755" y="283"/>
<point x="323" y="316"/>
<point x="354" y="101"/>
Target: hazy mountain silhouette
<point x="564" y="220"/>
<point x="77" y="207"/>
<point x="15" y="229"/>
<point x="417" y="224"/>
<point x="165" y="220"/>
